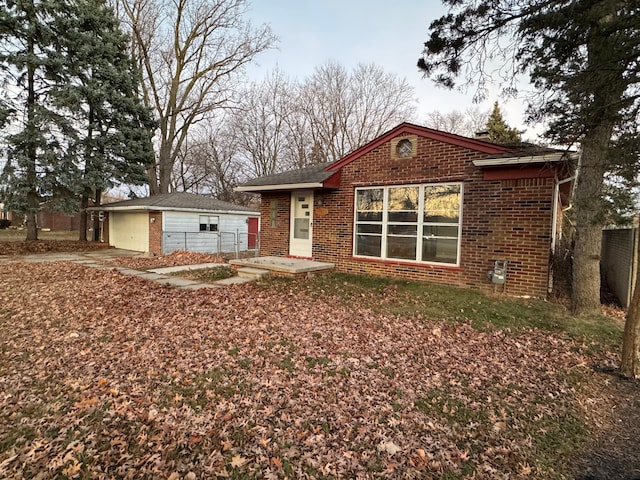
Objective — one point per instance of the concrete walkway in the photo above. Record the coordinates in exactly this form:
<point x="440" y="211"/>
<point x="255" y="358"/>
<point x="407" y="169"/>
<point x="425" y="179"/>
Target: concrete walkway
<point x="100" y="259"/>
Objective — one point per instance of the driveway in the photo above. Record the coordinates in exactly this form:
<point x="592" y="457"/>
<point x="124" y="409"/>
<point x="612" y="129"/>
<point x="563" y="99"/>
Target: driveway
<point x="94" y="256"/>
<point x="101" y="259"/>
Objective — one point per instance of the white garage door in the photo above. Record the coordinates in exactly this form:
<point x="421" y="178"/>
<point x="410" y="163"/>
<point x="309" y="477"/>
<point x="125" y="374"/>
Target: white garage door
<point x="129" y="231"/>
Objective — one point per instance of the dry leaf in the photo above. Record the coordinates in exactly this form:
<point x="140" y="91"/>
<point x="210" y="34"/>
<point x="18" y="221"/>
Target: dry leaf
<point x="389" y="447"/>
<point x="238" y="461"/>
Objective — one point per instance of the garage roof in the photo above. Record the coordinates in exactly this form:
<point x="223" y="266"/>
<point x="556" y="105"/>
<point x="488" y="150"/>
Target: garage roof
<point x="181" y="201"/>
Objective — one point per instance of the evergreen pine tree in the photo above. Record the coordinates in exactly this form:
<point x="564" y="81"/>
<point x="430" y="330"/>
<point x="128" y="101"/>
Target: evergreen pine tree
<point x="498" y="130"/>
<point x="77" y="126"/>
<point x="38" y="158"/>
<point x="114" y="127"/>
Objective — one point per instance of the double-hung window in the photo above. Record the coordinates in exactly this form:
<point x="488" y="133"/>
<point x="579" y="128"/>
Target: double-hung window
<point x="419" y="223"/>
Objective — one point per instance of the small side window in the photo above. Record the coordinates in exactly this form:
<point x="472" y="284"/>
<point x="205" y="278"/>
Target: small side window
<point x="208" y="223"/>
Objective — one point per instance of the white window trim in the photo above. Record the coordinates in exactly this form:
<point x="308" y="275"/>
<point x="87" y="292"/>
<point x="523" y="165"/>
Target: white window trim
<point x="419" y="224"/>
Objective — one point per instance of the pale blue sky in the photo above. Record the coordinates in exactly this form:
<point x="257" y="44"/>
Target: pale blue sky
<point x="388" y="33"/>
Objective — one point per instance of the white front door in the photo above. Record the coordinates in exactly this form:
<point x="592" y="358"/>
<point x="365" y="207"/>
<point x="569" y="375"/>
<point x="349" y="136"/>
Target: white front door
<point x="301" y="229"/>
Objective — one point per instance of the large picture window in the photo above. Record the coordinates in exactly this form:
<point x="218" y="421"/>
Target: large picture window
<point x="419" y="223"/>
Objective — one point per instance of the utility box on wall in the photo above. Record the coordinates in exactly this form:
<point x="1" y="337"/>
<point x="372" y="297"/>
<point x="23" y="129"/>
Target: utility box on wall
<point x="498" y="275"/>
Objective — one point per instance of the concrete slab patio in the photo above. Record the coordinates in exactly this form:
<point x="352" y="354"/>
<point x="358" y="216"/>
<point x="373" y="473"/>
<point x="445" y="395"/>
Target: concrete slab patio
<point x="284" y="265"/>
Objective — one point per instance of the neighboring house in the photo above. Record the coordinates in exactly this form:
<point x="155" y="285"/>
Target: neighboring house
<point x="423" y="204"/>
<point x="161" y="224"/>
<point x="46" y="219"/>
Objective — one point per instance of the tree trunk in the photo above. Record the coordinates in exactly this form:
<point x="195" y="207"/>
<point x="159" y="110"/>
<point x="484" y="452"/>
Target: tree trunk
<point x="32" y="226"/>
<point x="589" y="220"/>
<point x="82" y="228"/>
<point x="165" y="164"/>
<point x="630" y="366"/>
<point x="588" y="201"/>
<point x="152" y="173"/>
<point x="96" y="217"/>
<point x="33" y="201"/>
<point x="88" y="167"/>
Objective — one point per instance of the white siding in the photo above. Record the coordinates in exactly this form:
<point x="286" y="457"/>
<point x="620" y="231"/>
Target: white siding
<point x="181" y="231"/>
<point x="181" y="222"/>
<point x="129" y="231"/>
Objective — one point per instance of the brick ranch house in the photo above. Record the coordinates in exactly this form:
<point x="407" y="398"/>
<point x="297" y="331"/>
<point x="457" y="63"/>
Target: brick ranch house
<point x="423" y="204"/>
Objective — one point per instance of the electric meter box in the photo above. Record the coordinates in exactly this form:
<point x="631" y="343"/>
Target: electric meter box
<point x="499" y="273"/>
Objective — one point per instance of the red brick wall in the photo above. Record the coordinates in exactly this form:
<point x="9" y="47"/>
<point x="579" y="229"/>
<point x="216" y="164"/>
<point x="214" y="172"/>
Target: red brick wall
<point x="53" y="220"/>
<point x="274" y="240"/>
<point x="155" y="233"/>
<point x="502" y="220"/>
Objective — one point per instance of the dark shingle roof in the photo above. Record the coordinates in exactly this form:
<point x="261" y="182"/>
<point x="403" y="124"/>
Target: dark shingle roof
<point x="311" y="174"/>
<point x="177" y="201"/>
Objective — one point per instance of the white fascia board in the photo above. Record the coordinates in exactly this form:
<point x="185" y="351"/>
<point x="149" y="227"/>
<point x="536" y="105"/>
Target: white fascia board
<point x="286" y="186"/>
<point x="506" y="161"/>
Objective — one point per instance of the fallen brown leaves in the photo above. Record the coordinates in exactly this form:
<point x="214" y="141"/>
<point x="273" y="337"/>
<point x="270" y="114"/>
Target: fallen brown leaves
<point x="108" y="376"/>
<point x="42" y="246"/>
<point x="174" y="259"/>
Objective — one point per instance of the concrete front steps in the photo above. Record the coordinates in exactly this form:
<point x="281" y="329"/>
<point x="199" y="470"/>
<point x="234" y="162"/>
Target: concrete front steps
<point x="252" y="273"/>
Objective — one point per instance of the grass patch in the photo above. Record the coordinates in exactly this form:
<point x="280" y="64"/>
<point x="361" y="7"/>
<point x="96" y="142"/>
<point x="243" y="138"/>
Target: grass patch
<point x="202" y="388"/>
<point x="206" y="274"/>
<point x="18" y="235"/>
<point x="312" y="362"/>
<point x="452" y="304"/>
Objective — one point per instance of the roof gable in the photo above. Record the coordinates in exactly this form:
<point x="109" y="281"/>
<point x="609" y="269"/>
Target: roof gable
<point x="409" y="128"/>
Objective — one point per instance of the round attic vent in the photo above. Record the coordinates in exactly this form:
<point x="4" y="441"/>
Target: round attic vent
<point x="404" y="148"/>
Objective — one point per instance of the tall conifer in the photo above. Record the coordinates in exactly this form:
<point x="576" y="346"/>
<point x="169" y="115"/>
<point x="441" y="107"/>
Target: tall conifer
<point x="36" y="142"/>
<point x="114" y="127"/>
<point x="498" y="130"/>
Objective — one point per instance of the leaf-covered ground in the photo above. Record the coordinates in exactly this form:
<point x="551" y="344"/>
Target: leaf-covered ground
<point x="14" y="247"/>
<point x="176" y="258"/>
<point x="108" y="376"/>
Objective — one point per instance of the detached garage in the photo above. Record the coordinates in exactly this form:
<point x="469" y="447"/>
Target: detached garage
<point x="161" y="224"/>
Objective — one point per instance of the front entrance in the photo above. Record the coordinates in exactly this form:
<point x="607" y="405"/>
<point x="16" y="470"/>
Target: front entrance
<point x="301" y="228"/>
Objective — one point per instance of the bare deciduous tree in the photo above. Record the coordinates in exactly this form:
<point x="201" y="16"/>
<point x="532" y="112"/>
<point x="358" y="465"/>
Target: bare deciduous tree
<point x="209" y="163"/>
<point x="190" y="53"/>
<point x="345" y="111"/>
<point x="279" y="124"/>
<point x="261" y="124"/>
<point x="466" y="123"/>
